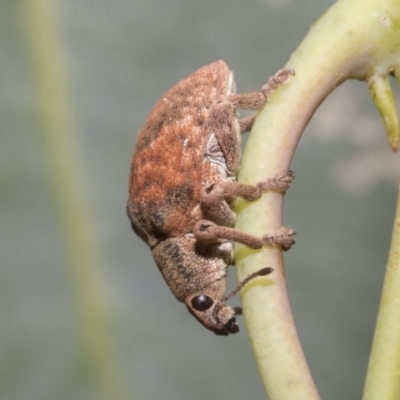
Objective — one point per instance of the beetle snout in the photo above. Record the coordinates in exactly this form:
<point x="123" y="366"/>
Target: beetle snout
<point x="226" y="317"/>
<point x="230" y="327"/>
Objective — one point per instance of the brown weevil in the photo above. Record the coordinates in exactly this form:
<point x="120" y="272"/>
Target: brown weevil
<point x="182" y="184"/>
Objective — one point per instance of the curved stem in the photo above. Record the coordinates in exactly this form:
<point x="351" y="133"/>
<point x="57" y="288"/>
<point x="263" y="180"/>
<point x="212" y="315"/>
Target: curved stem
<point x="354" y="39"/>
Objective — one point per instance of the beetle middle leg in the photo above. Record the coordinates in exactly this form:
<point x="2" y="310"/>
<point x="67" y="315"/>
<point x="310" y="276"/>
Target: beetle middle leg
<point x="214" y="197"/>
<point x="214" y="204"/>
<point x="279" y="183"/>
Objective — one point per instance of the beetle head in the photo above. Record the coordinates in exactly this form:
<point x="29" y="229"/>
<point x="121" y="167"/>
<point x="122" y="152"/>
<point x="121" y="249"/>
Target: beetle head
<point x="196" y="276"/>
<point x="213" y="313"/>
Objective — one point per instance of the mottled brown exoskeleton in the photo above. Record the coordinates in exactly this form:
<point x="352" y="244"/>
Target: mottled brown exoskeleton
<point x="182" y="184"/>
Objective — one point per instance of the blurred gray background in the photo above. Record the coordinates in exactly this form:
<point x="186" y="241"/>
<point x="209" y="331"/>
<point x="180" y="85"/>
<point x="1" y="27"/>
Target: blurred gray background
<point x="120" y="56"/>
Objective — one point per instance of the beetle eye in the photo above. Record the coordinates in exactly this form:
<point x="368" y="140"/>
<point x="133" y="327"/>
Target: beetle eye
<point x="202" y="302"/>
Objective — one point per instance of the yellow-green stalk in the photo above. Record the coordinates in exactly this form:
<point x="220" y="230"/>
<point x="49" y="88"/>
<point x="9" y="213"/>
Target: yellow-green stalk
<point x="354" y="39"/>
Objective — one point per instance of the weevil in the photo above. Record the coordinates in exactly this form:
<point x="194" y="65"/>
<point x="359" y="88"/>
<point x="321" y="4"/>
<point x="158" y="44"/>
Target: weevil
<point x="182" y="185"/>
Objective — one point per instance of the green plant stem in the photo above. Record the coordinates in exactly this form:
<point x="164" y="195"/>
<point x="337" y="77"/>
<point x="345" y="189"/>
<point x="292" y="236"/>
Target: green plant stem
<point x="382" y="94"/>
<point x="354" y="39"/>
<point x="67" y="170"/>
<point x="383" y="377"/>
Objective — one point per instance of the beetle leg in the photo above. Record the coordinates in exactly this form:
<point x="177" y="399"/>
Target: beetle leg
<point x="255" y="100"/>
<point x="214" y="205"/>
<point x="247" y="123"/>
<point x="215" y="198"/>
<point x="206" y="232"/>
<point x="228" y="190"/>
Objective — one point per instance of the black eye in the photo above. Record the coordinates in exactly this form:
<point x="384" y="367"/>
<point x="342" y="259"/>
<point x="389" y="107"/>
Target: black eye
<point x="202" y="302"/>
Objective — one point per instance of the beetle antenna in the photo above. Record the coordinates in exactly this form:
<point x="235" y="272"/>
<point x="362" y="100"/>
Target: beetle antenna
<point x="261" y="272"/>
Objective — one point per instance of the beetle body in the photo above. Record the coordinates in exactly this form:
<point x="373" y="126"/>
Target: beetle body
<point x="170" y="166"/>
<point x="181" y="185"/>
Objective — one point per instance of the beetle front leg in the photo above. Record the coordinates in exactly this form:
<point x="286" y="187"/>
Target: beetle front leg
<point x="206" y="232"/>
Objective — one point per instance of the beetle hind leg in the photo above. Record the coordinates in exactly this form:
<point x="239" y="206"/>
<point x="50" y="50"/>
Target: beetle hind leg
<point x="255" y="100"/>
